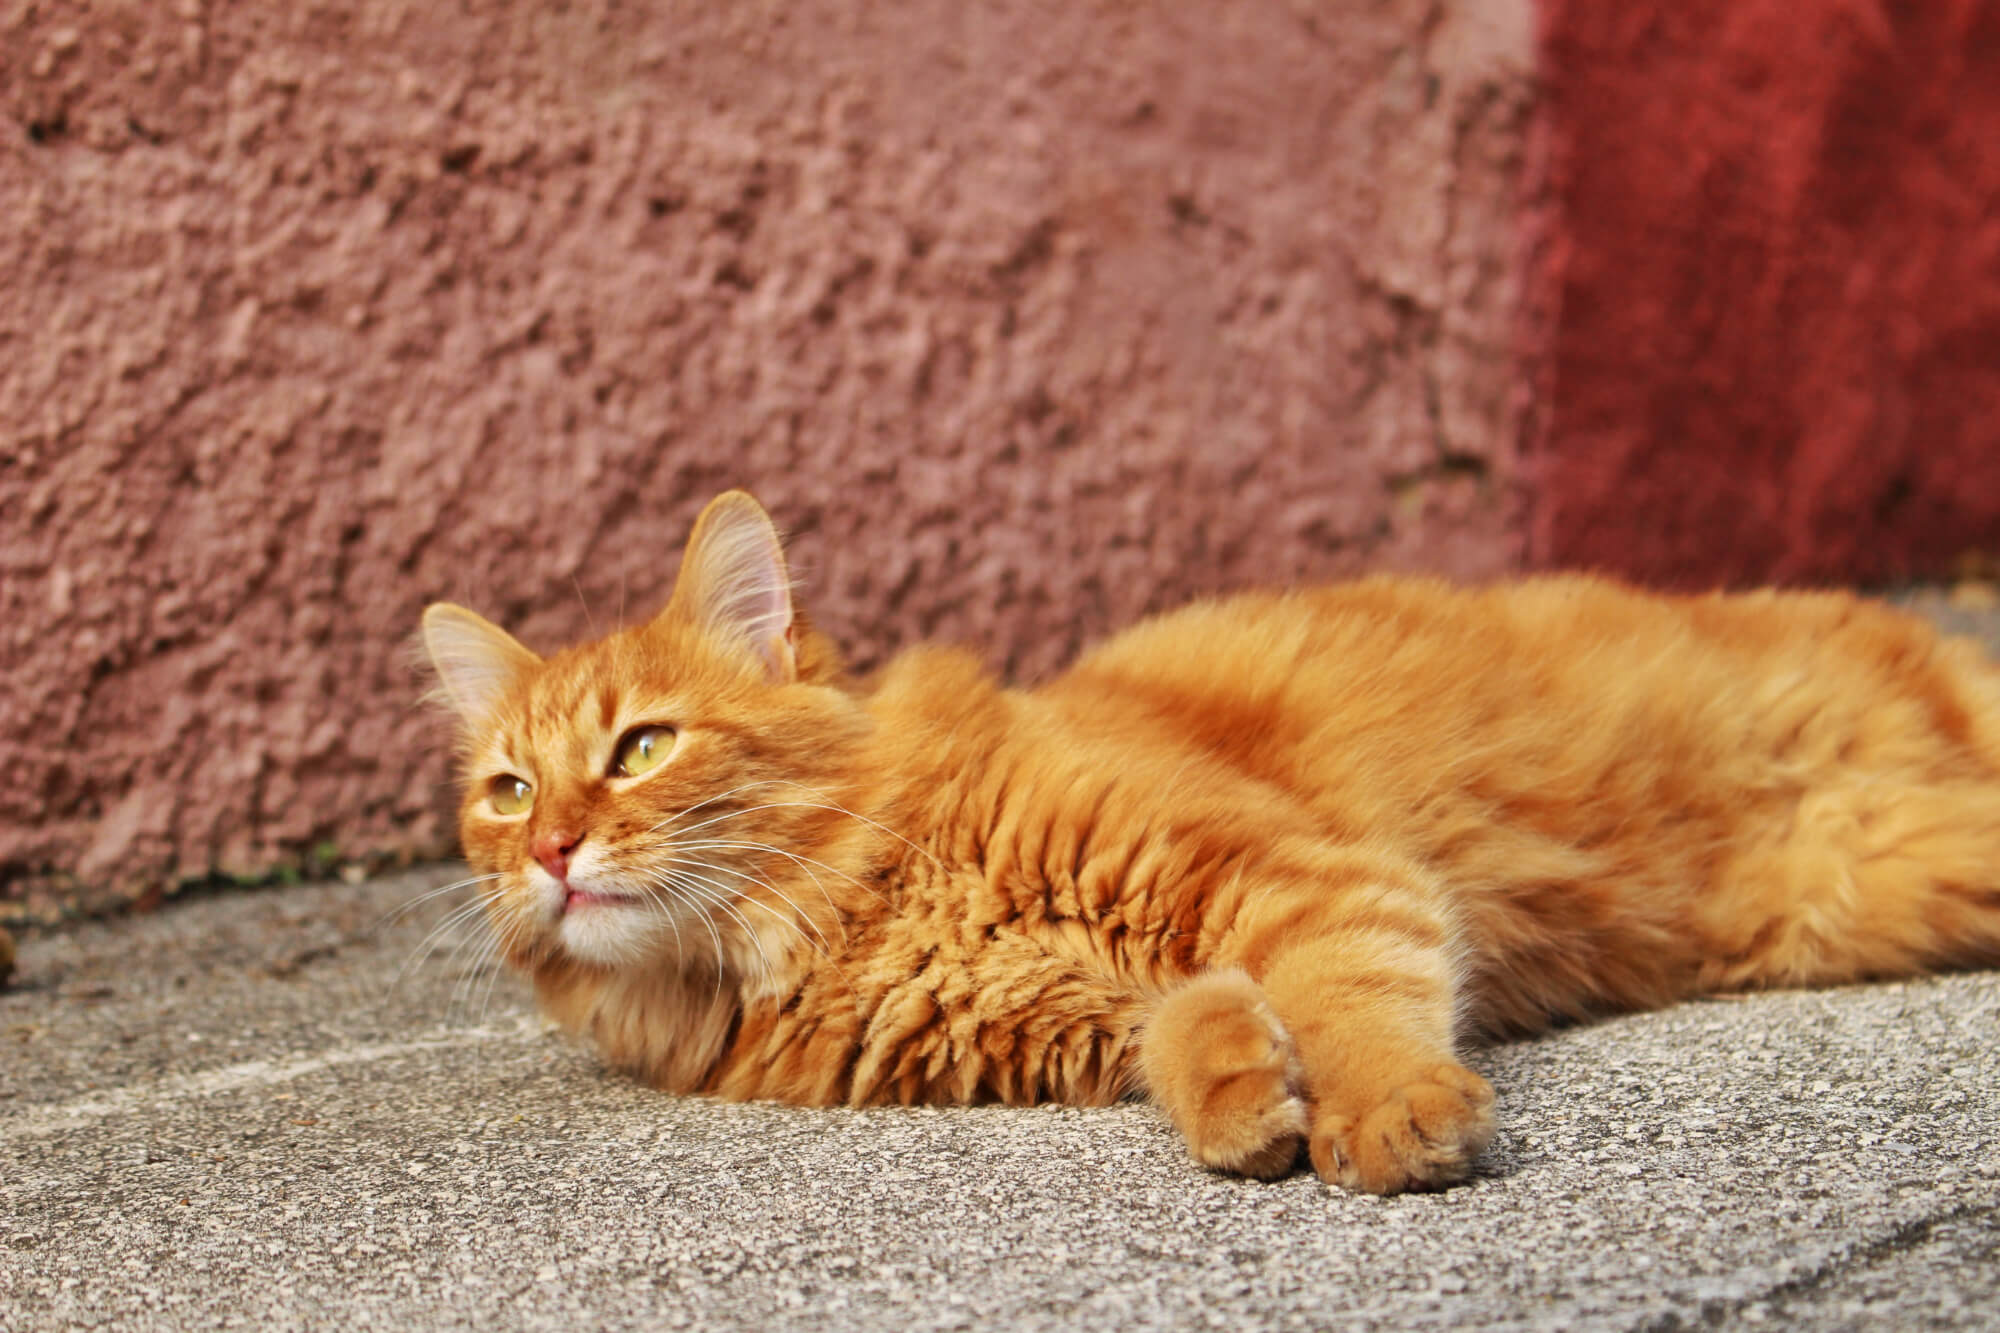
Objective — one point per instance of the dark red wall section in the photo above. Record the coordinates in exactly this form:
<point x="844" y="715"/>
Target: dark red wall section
<point x="1773" y="262"/>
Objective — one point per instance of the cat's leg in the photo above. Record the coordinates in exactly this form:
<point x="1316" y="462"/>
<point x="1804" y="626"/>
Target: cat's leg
<point x="1007" y="1020"/>
<point x="1361" y="968"/>
<point x="1862" y="880"/>
<point x="1216" y="1058"/>
<point x="1886" y="859"/>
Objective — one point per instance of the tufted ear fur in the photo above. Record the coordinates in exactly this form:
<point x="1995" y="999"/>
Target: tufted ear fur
<point x="474" y="658"/>
<point x="733" y="582"/>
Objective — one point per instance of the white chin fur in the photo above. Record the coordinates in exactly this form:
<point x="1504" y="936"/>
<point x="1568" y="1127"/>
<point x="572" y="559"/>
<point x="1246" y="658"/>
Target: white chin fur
<point x="612" y="934"/>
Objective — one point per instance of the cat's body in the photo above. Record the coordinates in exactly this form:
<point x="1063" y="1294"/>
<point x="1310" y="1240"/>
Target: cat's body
<point x="1268" y="859"/>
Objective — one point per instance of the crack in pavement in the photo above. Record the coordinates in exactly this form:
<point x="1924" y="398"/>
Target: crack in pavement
<point x="1718" y="1312"/>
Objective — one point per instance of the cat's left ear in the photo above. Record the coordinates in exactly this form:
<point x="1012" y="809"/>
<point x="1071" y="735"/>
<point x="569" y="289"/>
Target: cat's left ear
<point x="733" y="581"/>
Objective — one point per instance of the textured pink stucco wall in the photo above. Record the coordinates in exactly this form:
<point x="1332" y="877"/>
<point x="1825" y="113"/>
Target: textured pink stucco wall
<point x="1026" y="318"/>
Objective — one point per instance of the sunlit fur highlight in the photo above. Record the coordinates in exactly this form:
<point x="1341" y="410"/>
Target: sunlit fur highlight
<point x="1271" y="860"/>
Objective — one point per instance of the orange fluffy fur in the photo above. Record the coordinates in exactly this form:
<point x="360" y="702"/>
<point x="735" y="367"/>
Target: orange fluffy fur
<point x="1269" y="859"/>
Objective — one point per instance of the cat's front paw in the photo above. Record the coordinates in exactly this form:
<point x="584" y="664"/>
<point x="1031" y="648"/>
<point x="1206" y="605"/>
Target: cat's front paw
<point x="1424" y="1134"/>
<point x="1218" y="1060"/>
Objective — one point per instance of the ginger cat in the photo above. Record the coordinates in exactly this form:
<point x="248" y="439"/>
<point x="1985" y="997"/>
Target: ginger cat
<point x="1270" y="859"/>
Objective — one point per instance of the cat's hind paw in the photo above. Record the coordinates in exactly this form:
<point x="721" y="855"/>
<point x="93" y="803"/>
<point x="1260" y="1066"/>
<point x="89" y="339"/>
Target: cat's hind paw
<point x="1423" y="1135"/>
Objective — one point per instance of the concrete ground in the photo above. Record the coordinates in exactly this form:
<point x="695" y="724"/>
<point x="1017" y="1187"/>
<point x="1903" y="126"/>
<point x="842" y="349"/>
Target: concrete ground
<point x="267" y="1110"/>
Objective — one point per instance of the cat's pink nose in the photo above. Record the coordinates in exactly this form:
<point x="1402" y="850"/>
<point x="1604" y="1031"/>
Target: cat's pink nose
<point x="552" y="849"/>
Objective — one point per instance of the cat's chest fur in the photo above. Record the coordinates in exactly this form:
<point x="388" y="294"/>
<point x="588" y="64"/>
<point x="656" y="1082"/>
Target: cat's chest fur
<point x="1021" y="889"/>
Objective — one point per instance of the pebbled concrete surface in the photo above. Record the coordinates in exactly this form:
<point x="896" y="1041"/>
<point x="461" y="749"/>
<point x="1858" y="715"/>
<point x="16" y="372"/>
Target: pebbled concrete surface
<point x="260" y="1110"/>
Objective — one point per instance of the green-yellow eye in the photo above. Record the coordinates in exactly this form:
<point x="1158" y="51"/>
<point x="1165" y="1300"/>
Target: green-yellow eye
<point x="641" y="750"/>
<point x="509" y="795"/>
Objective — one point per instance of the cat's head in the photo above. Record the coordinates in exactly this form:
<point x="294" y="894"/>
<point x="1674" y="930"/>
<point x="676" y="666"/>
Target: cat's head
<point x="624" y="793"/>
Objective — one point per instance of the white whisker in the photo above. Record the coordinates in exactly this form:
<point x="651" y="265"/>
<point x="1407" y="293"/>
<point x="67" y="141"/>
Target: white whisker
<point x="458" y="916"/>
<point x="720" y="898"/>
<point x="815" y="805"/>
<point x="820" y="947"/>
<point x="396" y="913"/>
<point x="496" y="964"/>
<point x="680" y="947"/>
<point x="719" y="796"/>
<point x="801" y="861"/>
<point x="681" y="896"/>
<point x="784" y="897"/>
<point x="461" y="992"/>
<point x="686" y="884"/>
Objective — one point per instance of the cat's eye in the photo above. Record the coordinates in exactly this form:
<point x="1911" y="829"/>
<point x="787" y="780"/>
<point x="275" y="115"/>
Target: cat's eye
<point x="641" y="750"/>
<point x="509" y="795"/>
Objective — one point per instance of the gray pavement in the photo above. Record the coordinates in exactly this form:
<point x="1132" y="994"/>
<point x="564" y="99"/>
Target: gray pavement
<point x="236" y="1112"/>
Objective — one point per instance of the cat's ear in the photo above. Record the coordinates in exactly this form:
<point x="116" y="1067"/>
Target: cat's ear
<point x="474" y="658"/>
<point x="733" y="581"/>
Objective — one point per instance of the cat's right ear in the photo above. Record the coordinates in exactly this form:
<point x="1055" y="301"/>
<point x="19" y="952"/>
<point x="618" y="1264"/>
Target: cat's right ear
<point x="474" y="658"/>
<point x="733" y="582"/>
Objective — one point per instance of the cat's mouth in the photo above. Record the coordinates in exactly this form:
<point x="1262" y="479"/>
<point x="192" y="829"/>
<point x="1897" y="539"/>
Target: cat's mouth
<point x="576" y="899"/>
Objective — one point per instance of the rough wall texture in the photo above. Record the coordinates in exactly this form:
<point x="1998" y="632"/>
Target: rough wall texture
<point x="1776" y="260"/>
<point x="1025" y="317"/>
